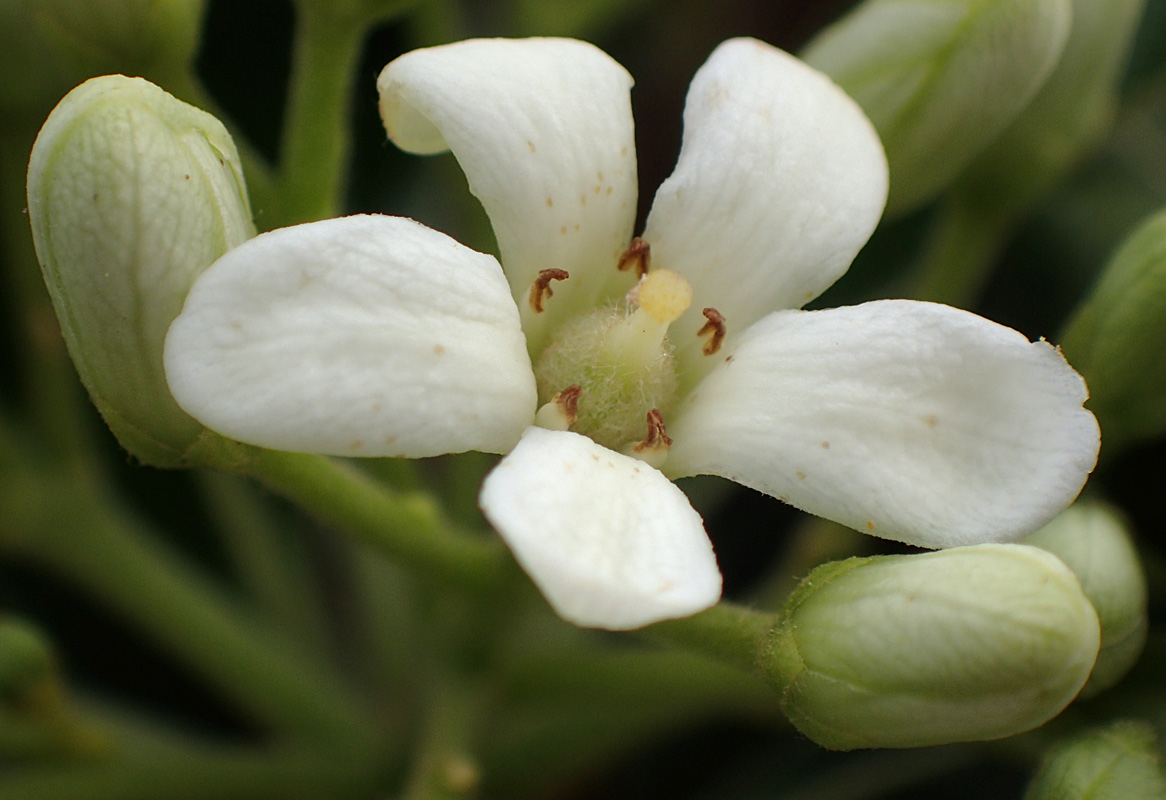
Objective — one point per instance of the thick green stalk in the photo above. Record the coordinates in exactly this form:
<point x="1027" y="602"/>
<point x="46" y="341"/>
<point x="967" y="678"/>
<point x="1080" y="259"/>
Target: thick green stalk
<point x="960" y="253"/>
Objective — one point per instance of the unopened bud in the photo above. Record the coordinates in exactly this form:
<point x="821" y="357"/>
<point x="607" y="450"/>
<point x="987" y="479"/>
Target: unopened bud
<point x="940" y="80"/>
<point x="1117" y="337"/>
<point x="1093" y="542"/>
<point x="131" y="194"/>
<point x="1118" y="762"/>
<point x="966" y="644"/>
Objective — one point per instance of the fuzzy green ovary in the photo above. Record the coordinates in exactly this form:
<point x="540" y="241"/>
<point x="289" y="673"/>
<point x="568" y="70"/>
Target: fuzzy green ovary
<point x="619" y="388"/>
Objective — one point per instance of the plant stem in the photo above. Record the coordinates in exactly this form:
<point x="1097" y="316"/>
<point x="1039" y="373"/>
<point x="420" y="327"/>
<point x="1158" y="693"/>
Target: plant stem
<point x="407" y="527"/>
<point x="75" y="533"/>
<point x="728" y="633"/>
<point x="315" y="141"/>
<point x="446" y="768"/>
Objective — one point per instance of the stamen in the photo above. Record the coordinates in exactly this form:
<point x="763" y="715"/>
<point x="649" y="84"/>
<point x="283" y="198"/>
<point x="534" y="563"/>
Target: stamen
<point x="715" y="326"/>
<point x="540" y="290"/>
<point x="562" y="411"/>
<point x="637" y="256"/>
<point x="653" y="450"/>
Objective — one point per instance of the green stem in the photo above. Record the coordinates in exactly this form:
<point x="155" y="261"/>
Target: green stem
<point x="960" y="253"/>
<point x="274" y="571"/>
<point x="407" y="527"/>
<point x="316" y="141"/>
<point x="728" y="633"/>
<point x="446" y="768"/>
<point x="79" y="537"/>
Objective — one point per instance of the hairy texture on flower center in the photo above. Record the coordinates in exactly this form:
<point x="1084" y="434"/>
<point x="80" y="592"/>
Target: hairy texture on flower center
<point x="619" y="386"/>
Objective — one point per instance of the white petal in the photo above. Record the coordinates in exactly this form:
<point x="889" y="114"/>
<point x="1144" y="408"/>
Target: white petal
<point x="781" y="180"/>
<point x="359" y="336"/>
<point x="543" y="130"/>
<point x="610" y="541"/>
<point x="907" y="420"/>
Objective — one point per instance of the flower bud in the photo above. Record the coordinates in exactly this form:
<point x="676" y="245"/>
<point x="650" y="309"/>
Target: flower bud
<point x="1118" y="762"/>
<point x="940" y="80"/>
<point x="131" y="194"/>
<point x="1093" y="542"/>
<point x="1117" y="336"/>
<point x="966" y="644"/>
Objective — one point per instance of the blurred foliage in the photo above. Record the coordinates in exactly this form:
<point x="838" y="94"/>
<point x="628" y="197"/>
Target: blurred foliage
<point x="690" y="743"/>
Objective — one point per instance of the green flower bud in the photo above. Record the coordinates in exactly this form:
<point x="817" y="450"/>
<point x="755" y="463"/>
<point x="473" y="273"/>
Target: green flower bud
<point x="965" y="644"/>
<point x="1068" y="117"/>
<point x="1117" y="337"/>
<point x="1093" y="542"/>
<point x="940" y="80"/>
<point x="1116" y="763"/>
<point x="131" y="194"/>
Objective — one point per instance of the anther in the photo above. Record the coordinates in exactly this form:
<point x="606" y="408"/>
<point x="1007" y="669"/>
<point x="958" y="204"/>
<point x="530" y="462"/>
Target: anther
<point x="562" y="411"/>
<point x="637" y="256"/>
<point x="540" y="290"/>
<point x="653" y="450"/>
<point x="714" y="326"/>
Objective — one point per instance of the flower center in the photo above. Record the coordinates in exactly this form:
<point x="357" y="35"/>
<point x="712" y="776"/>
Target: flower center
<point x="617" y="363"/>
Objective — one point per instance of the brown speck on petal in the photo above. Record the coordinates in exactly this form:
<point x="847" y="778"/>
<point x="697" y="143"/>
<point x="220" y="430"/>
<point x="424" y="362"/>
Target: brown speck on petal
<point x="716" y="327"/>
<point x="825" y="445"/>
<point x="540" y="290"/>
<point x="870" y="526"/>
<point x="638" y="257"/>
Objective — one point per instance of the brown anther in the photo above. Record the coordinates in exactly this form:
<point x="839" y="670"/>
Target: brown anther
<point x="567" y="401"/>
<point x="638" y="255"/>
<point x="715" y="326"/>
<point x="540" y="290"/>
<point x="657" y="438"/>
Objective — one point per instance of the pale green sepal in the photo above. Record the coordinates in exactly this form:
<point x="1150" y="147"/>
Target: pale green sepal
<point x="966" y="644"/>
<point x="1093" y="542"/>
<point x="1069" y="116"/>
<point x="1117" y="336"/>
<point x="131" y="194"/>
<point x="1118" y="762"/>
<point x="940" y="80"/>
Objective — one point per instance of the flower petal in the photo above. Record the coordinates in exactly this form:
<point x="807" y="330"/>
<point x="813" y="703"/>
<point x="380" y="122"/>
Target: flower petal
<point x="610" y="541"/>
<point x="907" y="420"/>
<point x="781" y="180"/>
<point x="543" y="130"/>
<point x="359" y="336"/>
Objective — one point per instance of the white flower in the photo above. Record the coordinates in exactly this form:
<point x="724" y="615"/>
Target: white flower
<point x="377" y="336"/>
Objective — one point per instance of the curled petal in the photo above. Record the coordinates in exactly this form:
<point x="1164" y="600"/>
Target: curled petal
<point x="543" y="130"/>
<point x="610" y="541"/>
<point x="781" y="180"/>
<point x="358" y="336"/>
<point x="907" y="420"/>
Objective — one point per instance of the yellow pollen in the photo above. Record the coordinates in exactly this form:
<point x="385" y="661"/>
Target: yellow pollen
<point x="663" y="295"/>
